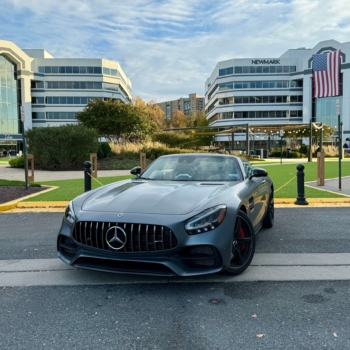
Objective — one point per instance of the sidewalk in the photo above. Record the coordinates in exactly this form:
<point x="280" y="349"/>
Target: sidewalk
<point x="8" y="173"/>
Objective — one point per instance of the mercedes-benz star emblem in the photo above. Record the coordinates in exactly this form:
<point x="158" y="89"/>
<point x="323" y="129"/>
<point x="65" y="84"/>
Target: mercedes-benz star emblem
<point x="116" y="237"/>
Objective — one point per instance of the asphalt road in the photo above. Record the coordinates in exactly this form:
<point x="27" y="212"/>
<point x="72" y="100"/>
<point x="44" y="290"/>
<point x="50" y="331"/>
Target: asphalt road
<point x="309" y="230"/>
<point x="304" y="315"/>
<point x="289" y="315"/>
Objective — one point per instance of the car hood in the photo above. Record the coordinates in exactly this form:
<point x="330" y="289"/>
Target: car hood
<point x="154" y="197"/>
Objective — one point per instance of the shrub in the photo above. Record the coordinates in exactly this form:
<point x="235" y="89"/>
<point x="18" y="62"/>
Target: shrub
<point x="304" y="149"/>
<point x="106" y="149"/>
<point x="17" y="162"/>
<point x="100" y="153"/>
<point x="62" y="148"/>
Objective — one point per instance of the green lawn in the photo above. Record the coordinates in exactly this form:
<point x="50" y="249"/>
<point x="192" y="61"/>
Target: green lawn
<point x="69" y="189"/>
<point x="281" y="174"/>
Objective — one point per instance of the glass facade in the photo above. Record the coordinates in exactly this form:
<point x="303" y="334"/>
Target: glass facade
<point x="326" y="110"/>
<point x="8" y="97"/>
<point x="69" y="100"/>
<point x="260" y="99"/>
<point x="255" y="114"/>
<point x="268" y="84"/>
<point x="257" y="70"/>
<point x="69" y="70"/>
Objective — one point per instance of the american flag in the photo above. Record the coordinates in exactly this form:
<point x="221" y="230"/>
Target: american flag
<point x="326" y="68"/>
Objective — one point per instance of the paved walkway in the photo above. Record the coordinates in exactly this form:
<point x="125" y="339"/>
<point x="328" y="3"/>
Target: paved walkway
<point x="8" y="173"/>
<point x="332" y="185"/>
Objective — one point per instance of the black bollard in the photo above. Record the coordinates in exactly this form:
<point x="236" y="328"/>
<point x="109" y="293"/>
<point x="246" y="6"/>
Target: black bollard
<point x="87" y="176"/>
<point x="301" y="190"/>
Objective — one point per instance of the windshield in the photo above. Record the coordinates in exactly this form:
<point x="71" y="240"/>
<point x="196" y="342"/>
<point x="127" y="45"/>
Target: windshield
<point x="194" y="168"/>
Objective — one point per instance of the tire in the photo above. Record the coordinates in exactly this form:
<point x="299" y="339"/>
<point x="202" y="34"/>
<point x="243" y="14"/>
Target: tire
<point x="270" y="214"/>
<point x="243" y="245"/>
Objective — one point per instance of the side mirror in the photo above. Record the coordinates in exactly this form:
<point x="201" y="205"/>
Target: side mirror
<point x="136" y="171"/>
<point x="259" y="173"/>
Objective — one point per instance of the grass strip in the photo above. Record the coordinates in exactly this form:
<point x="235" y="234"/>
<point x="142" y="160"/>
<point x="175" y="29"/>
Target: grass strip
<point x="69" y="189"/>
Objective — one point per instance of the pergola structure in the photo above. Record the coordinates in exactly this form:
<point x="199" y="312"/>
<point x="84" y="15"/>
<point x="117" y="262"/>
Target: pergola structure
<point x="253" y="129"/>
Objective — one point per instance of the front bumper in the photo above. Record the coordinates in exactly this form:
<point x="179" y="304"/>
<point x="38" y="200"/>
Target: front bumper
<point x="200" y="254"/>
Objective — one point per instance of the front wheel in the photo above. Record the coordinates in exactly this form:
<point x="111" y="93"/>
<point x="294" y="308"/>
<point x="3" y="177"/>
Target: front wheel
<point x="243" y="245"/>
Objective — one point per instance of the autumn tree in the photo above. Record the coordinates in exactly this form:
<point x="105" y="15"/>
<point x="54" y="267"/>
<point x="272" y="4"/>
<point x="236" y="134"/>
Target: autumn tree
<point x="114" y="119"/>
<point x="178" y="120"/>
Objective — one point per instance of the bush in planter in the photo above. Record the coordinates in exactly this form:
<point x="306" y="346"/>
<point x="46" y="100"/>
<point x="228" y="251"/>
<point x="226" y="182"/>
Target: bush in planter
<point x="304" y="149"/>
<point x="17" y="162"/>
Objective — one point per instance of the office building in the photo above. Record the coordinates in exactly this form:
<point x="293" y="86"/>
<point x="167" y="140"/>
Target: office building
<point x="50" y="91"/>
<point x="278" y="90"/>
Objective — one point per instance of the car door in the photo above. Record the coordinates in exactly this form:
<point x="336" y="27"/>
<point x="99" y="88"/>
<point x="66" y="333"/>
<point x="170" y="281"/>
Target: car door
<point x="252" y="187"/>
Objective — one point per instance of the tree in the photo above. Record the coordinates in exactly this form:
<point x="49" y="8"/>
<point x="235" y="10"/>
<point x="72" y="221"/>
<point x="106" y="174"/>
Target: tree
<point x="178" y="120"/>
<point x="152" y="111"/>
<point x="114" y="119"/>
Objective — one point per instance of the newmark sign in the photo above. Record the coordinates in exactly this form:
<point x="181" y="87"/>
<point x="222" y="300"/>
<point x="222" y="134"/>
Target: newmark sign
<point x="266" y="62"/>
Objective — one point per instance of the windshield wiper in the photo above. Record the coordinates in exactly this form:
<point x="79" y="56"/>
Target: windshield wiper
<point x="144" y="178"/>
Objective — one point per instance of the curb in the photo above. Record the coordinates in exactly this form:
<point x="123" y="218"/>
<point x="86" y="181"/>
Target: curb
<point x="15" y="203"/>
<point x="18" y="206"/>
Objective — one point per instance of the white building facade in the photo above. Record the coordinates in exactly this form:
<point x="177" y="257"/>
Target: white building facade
<point x="51" y="90"/>
<point x="275" y="90"/>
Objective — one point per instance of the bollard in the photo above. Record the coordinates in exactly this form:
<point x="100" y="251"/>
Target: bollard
<point x="301" y="190"/>
<point x="87" y="176"/>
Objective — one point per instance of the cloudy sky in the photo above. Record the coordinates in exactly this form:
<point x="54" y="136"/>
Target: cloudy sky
<point x="169" y="47"/>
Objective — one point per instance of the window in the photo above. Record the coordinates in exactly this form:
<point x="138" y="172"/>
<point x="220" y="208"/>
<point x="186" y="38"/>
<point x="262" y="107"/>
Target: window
<point x="238" y="99"/>
<point x="292" y="69"/>
<point x="278" y="99"/>
<point x="41" y="69"/>
<point x="272" y="99"/>
<point x="266" y="69"/>
<point x="114" y="72"/>
<point x="76" y="70"/>
<point x="265" y="99"/>
<point x="77" y="100"/>
<point x="252" y="70"/>
<point x="55" y="100"/>
<point x="90" y="70"/>
<point x="47" y="70"/>
<point x="106" y="71"/>
<point x="251" y="114"/>
<point x="84" y="100"/>
<point x="69" y="70"/>
<point x="272" y="69"/>
<point x="62" y="70"/>
<point x="246" y="70"/>
<point x="238" y="70"/>
<point x="38" y="115"/>
<point x="82" y="70"/>
<point x="55" y="70"/>
<point x="63" y="100"/>
<point x="70" y="100"/>
<point x="285" y="69"/>
<point x="259" y="69"/>
<point x="245" y="99"/>
<point x="97" y="70"/>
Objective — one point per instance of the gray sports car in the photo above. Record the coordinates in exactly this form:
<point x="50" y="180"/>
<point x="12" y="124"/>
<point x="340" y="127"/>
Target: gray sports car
<point x="186" y="214"/>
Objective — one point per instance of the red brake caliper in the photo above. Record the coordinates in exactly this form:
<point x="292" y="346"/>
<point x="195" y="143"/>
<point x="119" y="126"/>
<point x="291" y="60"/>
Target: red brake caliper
<point x="241" y="233"/>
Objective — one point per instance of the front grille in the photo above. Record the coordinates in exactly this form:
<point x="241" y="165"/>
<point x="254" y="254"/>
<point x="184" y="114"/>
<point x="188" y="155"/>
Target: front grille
<point x="140" y="237"/>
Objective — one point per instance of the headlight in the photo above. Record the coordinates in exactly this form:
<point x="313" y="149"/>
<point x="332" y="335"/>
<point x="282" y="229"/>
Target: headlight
<point x="208" y="220"/>
<point x="69" y="214"/>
